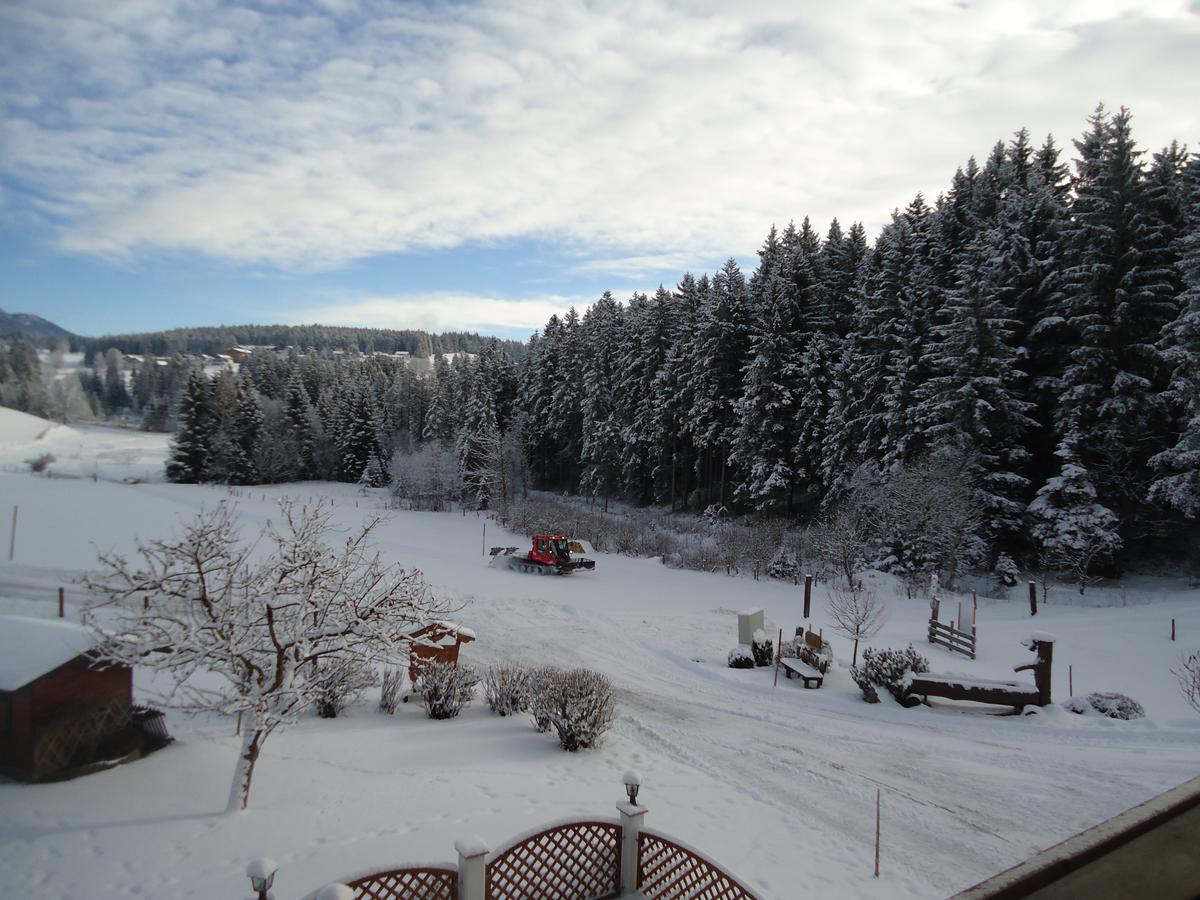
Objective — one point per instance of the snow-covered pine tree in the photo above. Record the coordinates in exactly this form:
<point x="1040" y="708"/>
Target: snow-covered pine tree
<point x="601" y="344"/>
<point x="1074" y="530"/>
<point x="765" y="436"/>
<point x="650" y="329"/>
<point x="478" y="443"/>
<point x="974" y="402"/>
<point x="1178" y="467"/>
<point x="299" y="411"/>
<point x="1111" y="415"/>
<point x="189" y="448"/>
<point x="718" y="354"/>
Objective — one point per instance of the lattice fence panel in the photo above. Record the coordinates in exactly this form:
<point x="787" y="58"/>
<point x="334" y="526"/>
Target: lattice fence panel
<point x="667" y="870"/>
<point x="407" y="884"/>
<point x="72" y="739"/>
<point x="581" y="861"/>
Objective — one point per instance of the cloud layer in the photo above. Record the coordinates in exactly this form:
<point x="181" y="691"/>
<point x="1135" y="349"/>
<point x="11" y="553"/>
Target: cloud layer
<point x="306" y="136"/>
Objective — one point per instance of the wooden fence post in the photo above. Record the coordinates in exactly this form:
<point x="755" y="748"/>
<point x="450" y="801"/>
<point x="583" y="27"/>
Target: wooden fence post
<point x="12" y="539"/>
<point x="778" y="656"/>
<point x="61" y="611"/>
<point x="1033" y="598"/>
<point x="877" y="794"/>
<point x="1172" y="629"/>
<point x="808" y="580"/>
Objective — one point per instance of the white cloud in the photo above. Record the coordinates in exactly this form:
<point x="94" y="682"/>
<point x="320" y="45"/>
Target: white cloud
<point x="437" y="312"/>
<point x="642" y="132"/>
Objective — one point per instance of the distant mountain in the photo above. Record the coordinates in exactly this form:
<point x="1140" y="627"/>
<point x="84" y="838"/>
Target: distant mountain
<point x="33" y="327"/>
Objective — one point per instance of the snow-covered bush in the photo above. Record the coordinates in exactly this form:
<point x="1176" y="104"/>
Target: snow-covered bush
<point x="741" y="657"/>
<point x="1006" y="571"/>
<point x="1113" y="705"/>
<point x="887" y="669"/>
<point x="784" y="565"/>
<point x="342" y="682"/>
<point x="506" y="687"/>
<point x="763" y="649"/>
<point x="446" y="688"/>
<point x="578" y="704"/>
<point x="537" y="692"/>
<point x="389" y="690"/>
<point x="39" y="463"/>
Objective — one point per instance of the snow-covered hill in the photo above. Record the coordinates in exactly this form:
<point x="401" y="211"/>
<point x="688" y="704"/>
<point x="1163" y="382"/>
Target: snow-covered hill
<point x="777" y="783"/>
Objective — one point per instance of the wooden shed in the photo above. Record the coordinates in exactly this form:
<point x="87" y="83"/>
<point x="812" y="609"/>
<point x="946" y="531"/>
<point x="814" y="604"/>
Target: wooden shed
<point x="58" y="709"/>
<point x="435" y="641"/>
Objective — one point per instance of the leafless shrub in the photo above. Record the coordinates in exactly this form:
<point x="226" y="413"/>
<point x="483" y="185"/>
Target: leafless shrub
<point x="857" y="615"/>
<point x="579" y="705"/>
<point x="506" y="687"/>
<point x="342" y="682"/>
<point x="389" y="693"/>
<point x="446" y="688"/>
<point x="39" y="463"/>
<point x="538" y="686"/>
<point x="1188" y="674"/>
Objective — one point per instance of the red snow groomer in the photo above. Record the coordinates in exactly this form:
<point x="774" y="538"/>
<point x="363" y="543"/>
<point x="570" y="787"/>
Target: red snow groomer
<point x="550" y="555"/>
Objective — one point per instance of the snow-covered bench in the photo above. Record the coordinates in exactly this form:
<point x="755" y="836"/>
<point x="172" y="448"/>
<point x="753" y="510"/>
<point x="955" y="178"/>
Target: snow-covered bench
<point x="797" y="669"/>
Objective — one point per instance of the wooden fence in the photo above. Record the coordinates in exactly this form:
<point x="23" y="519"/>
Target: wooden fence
<point x="950" y="637"/>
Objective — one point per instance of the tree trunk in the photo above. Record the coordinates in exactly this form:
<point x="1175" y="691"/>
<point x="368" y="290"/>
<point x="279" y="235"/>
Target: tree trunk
<point x="252" y="741"/>
<point x="854" y="658"/>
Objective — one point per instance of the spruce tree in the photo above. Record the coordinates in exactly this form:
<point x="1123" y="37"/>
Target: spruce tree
<point x="189" y="448"/>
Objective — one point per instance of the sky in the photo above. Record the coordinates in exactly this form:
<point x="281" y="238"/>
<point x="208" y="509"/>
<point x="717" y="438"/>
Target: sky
<point x="480" y="166"/>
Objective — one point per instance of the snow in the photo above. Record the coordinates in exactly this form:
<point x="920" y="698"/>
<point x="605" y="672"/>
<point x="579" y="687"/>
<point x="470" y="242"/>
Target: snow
<point x="726" y="758"/>
<point x="1044" y="636"/>
<point x="29" y="648"/>
<point x="472" y="846"/>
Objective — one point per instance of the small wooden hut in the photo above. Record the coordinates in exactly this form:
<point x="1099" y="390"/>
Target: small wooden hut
<point x="58" y="709"/>
<point x="435" y="642"/>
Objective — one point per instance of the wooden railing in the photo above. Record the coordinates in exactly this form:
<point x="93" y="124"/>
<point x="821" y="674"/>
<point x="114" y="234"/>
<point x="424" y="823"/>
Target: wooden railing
<point x="581" y="860"/>
<point x="950" y="637"/>
<point x="667" y="869"/>
<point x="427" y="883"/>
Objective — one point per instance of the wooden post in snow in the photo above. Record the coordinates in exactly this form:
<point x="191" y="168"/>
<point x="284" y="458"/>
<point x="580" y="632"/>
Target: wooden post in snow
<point x="12" y="539"/>
<point x="877" y="832"/>
<point x="1172" y="629"/>
<point x="1070" y="681"/>
<point x="808" y="579"/>
<point x="1033" y="598"/>
<point x="61" y="611"/>
<point x="778" y="656"/>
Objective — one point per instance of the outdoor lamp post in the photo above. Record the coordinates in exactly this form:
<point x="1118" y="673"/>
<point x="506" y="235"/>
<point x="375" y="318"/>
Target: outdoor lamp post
<point x="261" y="873"/>
<point x="633" y="781"/>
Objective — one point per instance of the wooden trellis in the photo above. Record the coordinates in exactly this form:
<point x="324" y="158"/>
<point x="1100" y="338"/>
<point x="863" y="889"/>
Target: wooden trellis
<point x="581" y="860"/>
<point x="668" y="870"/>
<point x="72" y="739"/>
<point x="406" y="884"/>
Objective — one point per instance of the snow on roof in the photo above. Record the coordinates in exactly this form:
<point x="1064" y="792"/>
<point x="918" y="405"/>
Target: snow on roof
<point x="29" y="648"/>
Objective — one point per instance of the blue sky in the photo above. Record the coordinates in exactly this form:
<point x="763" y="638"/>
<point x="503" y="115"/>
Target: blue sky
<point x="481" y="165"/>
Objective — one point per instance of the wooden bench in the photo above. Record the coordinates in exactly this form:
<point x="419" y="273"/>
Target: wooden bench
<point x="797" y="669"/>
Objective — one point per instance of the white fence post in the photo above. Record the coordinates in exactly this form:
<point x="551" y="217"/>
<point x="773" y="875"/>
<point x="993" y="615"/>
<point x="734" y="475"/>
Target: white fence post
<point x="632" y="817"/>
<point x="472" y="868"/>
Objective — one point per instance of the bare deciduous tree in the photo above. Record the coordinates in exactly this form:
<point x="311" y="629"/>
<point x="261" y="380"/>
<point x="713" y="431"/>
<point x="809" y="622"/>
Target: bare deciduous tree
<point x="274" y="622"/>
<point x="842" y="538"/>
<point x="1188" y="674"/>
<point x="857" y="615"/>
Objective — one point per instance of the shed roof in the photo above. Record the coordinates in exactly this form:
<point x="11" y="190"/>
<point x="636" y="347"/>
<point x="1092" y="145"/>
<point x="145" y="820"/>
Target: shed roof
<point x="29" y="648"/>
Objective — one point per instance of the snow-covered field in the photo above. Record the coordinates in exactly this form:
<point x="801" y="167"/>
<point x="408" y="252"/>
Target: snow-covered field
<point x="776" y="783"/>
